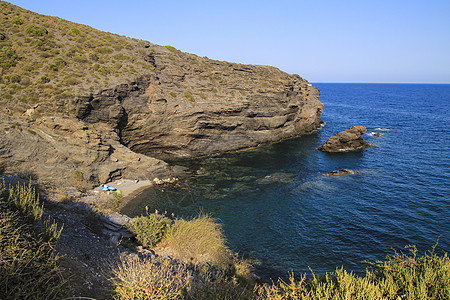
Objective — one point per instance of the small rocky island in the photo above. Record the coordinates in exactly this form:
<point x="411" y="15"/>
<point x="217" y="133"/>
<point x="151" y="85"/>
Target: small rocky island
<point x="347" y="140"/>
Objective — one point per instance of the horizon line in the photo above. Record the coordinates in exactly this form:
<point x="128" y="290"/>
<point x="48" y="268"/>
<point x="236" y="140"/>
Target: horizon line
<point x="379" y="82"/>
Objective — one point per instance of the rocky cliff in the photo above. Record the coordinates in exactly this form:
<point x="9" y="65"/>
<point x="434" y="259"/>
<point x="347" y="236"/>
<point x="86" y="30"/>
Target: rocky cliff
<point x="194" y="106"/>
<point x="84" y="104"/>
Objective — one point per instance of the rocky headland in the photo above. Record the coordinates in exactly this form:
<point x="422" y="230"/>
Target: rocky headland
<point x="83" y="107"/>
<point x="347" y="140"/>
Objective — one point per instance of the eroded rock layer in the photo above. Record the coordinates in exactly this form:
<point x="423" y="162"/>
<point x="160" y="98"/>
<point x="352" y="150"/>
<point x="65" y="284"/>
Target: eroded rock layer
<point x="194" y="106"/>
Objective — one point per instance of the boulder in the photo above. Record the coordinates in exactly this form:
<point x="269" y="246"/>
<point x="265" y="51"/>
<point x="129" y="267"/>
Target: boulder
<point x="347" y="140"/>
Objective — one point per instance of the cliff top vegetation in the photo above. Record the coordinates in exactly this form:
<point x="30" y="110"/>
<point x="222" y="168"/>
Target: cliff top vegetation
<point x="46" y="59"/>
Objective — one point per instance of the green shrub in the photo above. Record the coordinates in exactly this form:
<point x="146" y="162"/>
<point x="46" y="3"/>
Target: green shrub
<point x="13" y="78"/>
<point x="189" y="96"/>
<point x="72" y="81"/>
<point x="149" y="230"/>
<point x="80" y="59"/>
<point x="104" y="70"/>
<point x="425" y="277"/>
<point x="35" y="30"/>
<point x="93" y="57"/>
<point x="44" y="79"/>
<point x="53" y="67"/>
<point x="78" y="180"/>
<point x="17" y="21"/>
<point x="2" y="36"/>
<point x="75" y="31"/>
<point x="25" y="81"/>
<point x="171" y="48"/>
<point x="104" y="50"/>
<point x="70" y="52"/>
<point x="59" y="62"/>
<point x="8" y="57"/>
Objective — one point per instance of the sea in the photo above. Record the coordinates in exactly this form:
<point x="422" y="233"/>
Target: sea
<point x="281" y="211"/>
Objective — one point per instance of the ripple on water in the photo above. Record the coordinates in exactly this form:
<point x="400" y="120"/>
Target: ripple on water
<point x="276" y="205"/>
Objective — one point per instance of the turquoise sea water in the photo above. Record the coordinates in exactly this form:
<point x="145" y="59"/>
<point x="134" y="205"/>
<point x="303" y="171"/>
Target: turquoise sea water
<point x="277" y="207"/>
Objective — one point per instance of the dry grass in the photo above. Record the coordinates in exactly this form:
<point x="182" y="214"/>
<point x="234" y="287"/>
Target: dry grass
<point x="402" y="276"/>
<point x="199" y="241"/>
<point x="142" y="279"/>
<point x="28" y="265"/>
<point x="135" y="278"/>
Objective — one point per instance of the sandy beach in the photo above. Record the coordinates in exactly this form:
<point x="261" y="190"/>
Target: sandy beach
<point x="127" y="187"/>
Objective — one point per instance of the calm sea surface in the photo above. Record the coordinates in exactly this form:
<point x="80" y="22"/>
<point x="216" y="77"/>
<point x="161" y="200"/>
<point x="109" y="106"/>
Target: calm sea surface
<point x="277" y="207"/>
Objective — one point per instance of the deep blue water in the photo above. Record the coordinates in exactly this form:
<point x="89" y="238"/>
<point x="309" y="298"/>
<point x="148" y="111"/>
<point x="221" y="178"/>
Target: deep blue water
<point x="277" y="207"/>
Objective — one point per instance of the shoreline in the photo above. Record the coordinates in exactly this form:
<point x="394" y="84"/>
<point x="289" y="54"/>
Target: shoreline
<point x="128" y="188"/>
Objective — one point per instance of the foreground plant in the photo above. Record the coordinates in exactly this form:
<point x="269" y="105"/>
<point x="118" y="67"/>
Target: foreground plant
<point x="28" y="265"/>
<point x="402" y="276"/>
<point x="149" y="230"/>
<point x="198" y="241"/>
<point x="142" y="279"/>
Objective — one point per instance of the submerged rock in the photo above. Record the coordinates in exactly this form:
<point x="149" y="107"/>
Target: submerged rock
<point x="278" y="177"/>
<point x="341" y="172"/>
<point x="347" y="140"/>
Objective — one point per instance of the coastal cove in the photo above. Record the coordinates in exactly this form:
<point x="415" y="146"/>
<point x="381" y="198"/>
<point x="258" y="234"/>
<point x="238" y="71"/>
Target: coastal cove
<point x="278" y="207"/>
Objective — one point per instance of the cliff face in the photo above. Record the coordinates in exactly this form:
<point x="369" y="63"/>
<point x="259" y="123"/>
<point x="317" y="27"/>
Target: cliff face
<point x="192" y="106"/>
<point x="84" y="105"/>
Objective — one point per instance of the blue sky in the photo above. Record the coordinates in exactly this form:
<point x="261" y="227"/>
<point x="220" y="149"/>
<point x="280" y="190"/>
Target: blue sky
<point x="322" y="41"/>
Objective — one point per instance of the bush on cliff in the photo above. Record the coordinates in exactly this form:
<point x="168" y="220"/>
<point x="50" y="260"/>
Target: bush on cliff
<point x="200" y="240"/>
<point x="149" y="230"/>
<point x="137" y="279"/>
<point x="144" y="279"/>
<point x="28" y="265"/>
<point x="401" y="276"/>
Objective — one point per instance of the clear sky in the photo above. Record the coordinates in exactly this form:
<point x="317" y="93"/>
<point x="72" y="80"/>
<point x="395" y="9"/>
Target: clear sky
<point x="322" y="40"/>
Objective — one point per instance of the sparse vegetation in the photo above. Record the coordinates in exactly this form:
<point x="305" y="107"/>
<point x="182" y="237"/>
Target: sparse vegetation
<point x="189" y="96"/>
<point x="48" y="49"/>
<point x="28" y="265"/>
<point x="79" y="181"/>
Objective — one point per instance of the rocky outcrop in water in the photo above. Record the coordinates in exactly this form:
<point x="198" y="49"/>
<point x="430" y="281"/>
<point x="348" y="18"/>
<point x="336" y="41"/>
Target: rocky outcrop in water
<point x="347" y="140"/>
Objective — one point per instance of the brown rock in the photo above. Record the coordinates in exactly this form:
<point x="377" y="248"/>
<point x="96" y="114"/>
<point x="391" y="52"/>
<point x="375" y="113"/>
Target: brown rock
<point x="192" y="111"/>
<point x="348" y="140"/>
<point x="341" y="172"/>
